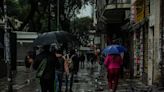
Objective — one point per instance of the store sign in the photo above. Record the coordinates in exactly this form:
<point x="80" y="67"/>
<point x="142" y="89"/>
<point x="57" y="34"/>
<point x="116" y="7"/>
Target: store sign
<point x="140" y="10"/>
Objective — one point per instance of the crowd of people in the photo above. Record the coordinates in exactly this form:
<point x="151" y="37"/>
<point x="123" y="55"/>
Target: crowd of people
<point x="54" y="66"/>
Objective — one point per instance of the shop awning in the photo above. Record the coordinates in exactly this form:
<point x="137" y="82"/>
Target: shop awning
<point x="133" y="27"/>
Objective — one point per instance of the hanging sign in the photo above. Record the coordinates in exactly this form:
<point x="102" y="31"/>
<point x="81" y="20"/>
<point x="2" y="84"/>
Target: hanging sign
<point x="140" y="10"/>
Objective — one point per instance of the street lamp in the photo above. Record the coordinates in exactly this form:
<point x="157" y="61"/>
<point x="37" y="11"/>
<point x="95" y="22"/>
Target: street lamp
<point x="7" y="49"/>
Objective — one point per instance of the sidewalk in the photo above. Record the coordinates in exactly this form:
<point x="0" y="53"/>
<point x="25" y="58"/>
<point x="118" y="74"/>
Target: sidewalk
<point x="21" y="80"/>
<point x="88" y="81"/>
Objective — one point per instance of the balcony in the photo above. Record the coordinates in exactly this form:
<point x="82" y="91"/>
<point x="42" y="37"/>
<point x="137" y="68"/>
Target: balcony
<point x="122" y="4"/>
<point x="115" y="10"/>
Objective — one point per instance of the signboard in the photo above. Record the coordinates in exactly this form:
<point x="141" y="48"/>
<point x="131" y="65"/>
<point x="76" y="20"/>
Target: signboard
<point x="140" y="10"/>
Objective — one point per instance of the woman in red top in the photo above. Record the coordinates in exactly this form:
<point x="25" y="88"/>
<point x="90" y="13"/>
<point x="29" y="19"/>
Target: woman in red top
<point x="113" y="63"/>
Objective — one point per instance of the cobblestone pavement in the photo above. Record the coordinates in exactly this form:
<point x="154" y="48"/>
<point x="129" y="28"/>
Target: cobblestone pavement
<point x="87" y="80"/>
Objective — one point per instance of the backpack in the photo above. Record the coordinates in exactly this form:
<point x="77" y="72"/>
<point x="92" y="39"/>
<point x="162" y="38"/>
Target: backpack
<point x="71" y="63"/>
<point x="41" y="68"/>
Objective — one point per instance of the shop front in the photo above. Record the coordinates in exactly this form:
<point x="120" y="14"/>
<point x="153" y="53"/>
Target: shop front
<point x="139" y="23"/>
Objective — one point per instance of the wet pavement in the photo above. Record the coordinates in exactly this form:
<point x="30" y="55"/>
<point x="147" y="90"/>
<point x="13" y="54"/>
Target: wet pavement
<point x="89" y="79"/>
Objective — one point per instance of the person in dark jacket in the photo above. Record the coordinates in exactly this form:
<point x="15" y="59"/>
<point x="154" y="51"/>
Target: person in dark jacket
<point x="82" y="59"/>
<point x="47" y="78"/>
<point x="59" y="69"/>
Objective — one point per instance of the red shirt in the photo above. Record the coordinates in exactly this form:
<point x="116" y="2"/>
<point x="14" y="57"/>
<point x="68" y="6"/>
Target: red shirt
<point x="113" y="61"/>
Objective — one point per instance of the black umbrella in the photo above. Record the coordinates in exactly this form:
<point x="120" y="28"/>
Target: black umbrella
<point x="55" y="37"/>
<point x="63" y="36"/>
<point x="45" y="39"/>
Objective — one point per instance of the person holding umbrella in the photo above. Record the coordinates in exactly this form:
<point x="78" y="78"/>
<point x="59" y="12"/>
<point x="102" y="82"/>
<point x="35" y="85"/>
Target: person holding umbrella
<point x="113" y="62"/>
<point x="44" y="66"/>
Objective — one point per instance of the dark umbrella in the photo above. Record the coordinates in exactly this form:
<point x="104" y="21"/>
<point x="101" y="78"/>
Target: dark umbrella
<point x="45" y="39"/>
<point x="63" y="36"/>
<point x="55" y="37"/>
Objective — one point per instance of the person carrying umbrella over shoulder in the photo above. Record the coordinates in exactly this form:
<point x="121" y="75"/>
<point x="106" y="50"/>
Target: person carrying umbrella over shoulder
<point x="113" y="62"/>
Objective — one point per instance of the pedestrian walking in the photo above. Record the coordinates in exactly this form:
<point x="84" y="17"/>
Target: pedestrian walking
<point x="101" y="63"/>
<point x="29" y="60"/>
<point x="59" y="70"/>
<point x="44" y="66"/>
<point x="92" y="59"/>
<point x="126" y="65"/>
<point x="82" y="59"/>
<point x="73" y="69"/>
<point x="113" y="63"/>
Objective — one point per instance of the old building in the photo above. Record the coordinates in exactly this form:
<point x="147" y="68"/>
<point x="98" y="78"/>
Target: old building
<point x="138" y="25"/>
<point x="145" y="24"/>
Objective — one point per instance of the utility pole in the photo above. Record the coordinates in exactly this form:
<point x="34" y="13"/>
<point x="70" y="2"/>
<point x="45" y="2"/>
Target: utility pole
<point x="49" y="17"/>
<point x="58" y="11"/>
<point x="7" y="49"/>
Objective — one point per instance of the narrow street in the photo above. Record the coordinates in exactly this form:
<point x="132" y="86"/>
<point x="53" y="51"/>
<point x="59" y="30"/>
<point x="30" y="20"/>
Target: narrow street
<point x="87" y="80"/>
<point x="53" y="36"/>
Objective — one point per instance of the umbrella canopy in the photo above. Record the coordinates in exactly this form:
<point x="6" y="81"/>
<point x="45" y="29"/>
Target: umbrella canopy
<point x="63" y="36"/>
<point x="54" y="37"/>
<point x="114" y="49"/>
<point x="45" y="39"/>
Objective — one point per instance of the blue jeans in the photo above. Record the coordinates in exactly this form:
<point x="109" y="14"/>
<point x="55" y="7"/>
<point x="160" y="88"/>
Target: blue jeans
<point x="69" y="82"/>
<point x="58" y="80"/>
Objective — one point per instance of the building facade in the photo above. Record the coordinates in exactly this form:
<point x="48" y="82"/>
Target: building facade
<point x="139" y="28"/>
<point x="144" y="26"/>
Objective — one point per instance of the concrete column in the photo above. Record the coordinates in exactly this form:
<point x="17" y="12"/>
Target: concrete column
<point x="157" y="41"/>
<point x="150" y="55"/>
<point x="154" y="42"/>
